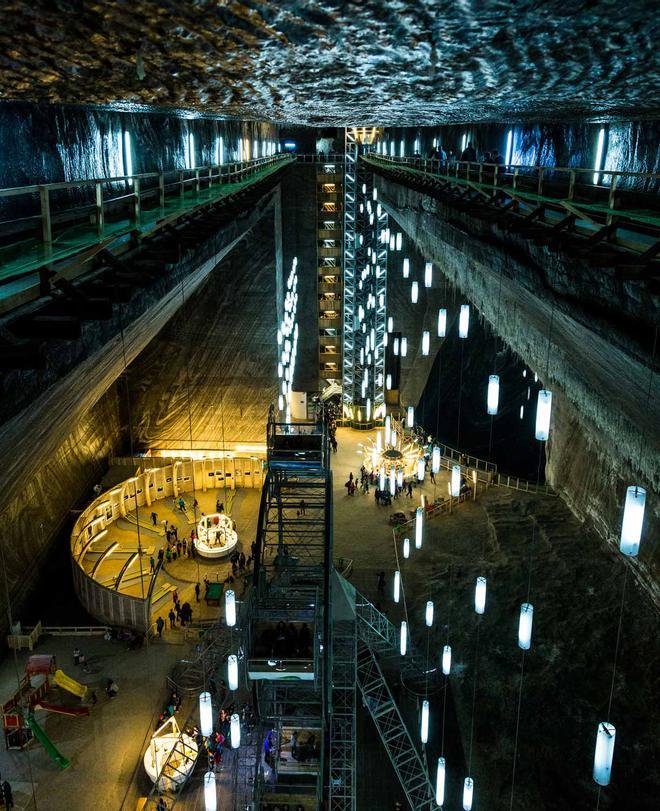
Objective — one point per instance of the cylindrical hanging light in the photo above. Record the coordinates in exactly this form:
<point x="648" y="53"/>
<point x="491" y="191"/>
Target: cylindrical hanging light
<point x="399" y="478"/>
<point x="468" y="793"/>
<point x="232" y="671"/>
<point x="421" y="468"/>
<point x="390" y="323"/>
<point x="604" y="753"/>
<point x="406" y="268"/>
<point x="404" y="347"/>
<point x="456" y="480"/>
<point x="414" y="292"/>
<point x="428" y="617"/>
<point x="381" y="478"/>
<point x="406" y="548"/>
<point x="424" y="727"/>
<point x="419" y="518"/>
<point x="435" y="459"/>
<point x="399" y="241"/>
<point x="426" y="342"/>
<point x="230" y="608"/>
<point x="392" y="480"/>
<point x="525" y="626"/>
<point x="388" y="429"/>
<point x="210" y="793"/>
<point x="446" y="660"/>
<point x="543" y="408"/>
<point x="205" y="714"/>
<point x="379" y="440"/>
<point x="235" y="730"/>
<point x="428" y="274"/>
<point x="395" y="346"/>
<point x="403" y="638"/>
<point x="388" y="382"/>
<point x="397" y="586"/>
<point x="440" y="774"/>
<point x="633" y="519"/>
<point x="442" y="322"/>
<point x="493" y="397"/>
<point x="480" y="595"/>
<point x="464" y="321"/>
<point x="410" y="417"/>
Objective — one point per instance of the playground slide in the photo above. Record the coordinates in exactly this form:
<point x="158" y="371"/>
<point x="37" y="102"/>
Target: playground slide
<point x="63" y="710"/>
<point x="69" y="684"/>
<point x="47" y="744"/>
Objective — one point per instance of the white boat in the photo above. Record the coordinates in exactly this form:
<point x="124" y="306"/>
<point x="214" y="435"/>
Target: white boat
<point x="170" y="757"/>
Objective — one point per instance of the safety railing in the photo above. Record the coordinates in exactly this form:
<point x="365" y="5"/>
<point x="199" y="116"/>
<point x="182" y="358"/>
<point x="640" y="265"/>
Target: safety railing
<point x="62" y="218"/>
<point x="320" y="157"/>
<point x="606" y="195"/>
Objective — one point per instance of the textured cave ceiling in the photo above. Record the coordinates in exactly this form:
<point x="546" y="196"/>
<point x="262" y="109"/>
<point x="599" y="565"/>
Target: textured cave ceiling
<point x="328" y="62"/>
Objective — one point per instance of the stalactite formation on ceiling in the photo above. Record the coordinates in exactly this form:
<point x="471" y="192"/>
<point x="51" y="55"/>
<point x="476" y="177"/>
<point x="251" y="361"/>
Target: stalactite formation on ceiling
<point x="331" y="62"/>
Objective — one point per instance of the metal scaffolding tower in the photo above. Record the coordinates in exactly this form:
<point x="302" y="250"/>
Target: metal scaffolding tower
<point x="366" y="240"/>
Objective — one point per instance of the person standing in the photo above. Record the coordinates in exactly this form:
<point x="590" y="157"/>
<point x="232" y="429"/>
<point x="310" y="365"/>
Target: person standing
<point x="197" y="592"/>
<point x="154" y="519"/>
<point x="302" y="506"/>
<point x="172" y="617"/>
<point x="7" y="795"/>
<point x="152" y="563"/>
<point x="160" y="624"/>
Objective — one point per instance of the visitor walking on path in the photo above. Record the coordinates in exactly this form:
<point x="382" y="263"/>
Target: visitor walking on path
<point x="302" y="506"/>
<point x="197" y="592"/>
<point x="175" y="596"/>
<point x="172" y="617"/>
<point x="7" y="795"/>
<point x="160" y="624"/>
<point x="152" y="563"/>
<point x="154" y="519"/>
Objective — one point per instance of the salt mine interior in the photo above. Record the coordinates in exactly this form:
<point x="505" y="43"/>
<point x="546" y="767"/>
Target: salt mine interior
<point x="329" y="405"/>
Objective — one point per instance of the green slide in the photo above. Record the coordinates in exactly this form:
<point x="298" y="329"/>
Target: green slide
<point x="47" y="744"/>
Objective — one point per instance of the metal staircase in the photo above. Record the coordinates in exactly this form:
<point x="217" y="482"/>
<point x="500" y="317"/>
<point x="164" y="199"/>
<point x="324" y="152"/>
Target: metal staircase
<point x="401" y="750"/>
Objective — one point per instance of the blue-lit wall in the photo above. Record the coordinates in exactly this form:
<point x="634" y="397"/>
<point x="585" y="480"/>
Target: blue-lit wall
<point x="47" y="143"/>
<point x="630" y="146"/>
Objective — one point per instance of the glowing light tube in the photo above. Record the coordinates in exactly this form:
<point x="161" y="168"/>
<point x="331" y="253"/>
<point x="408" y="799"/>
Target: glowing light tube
<point x="235" y="731"/>
<point x="399" y="241"/>
<point x="456" y="480"/>
<point x="205" y="714"/>
<point x="604" y="753"/>
<point x="406" y="268"/>
<point x="230" y="608"/>
<point x="390" y="323"/>
<point x="381" y="479"/>
<point x="468" y="792"/>
<point x="232" y="671"/>
<point x="442" y="322"/>
<point x="399" y="478"/>
<point x="410" y="416"/>
<point x="404" y="347"/>
<point x="395" y="346"/>
<point x="525" y="626"/>
<point x="428" y="274"/>
<point x="428" y="617"/>
<point x="392" y="480"/>
<point x="210" y="794"/>
<point x="403" y="638"/>
<point x="406" y="548"/>
<point x="397" y="586"/>
<point x="543" y="409"/>
<point x="424" y="730"/>
<point x="414" y="292"/>
<point x="633" y="518"/>
<point x="426" y="342"/>
<point x="480" y="595"/>
<point x="493" y="397"/>
<point x="388" y="430"/>
<point x="435" y="459"/>
<point x="440" y="775"/>
<point x="388" y="382"/>
<point x="464" y="321"/>
<point x="446" y="660"/>
<point x="419" y="518"/>
<point x="421" y="467"/>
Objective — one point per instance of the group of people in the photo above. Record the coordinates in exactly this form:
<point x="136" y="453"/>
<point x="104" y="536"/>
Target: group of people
<point x="287" y="641"/>
<point x="469" y="154"/>
<point x="309" y="749"/>
<point x="172" y="706"/>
